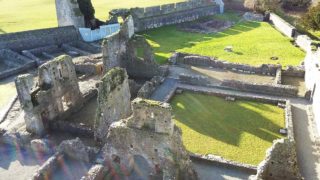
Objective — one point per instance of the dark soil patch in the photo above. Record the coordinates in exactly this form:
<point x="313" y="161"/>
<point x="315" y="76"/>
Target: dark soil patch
<point x="206" y="26"/>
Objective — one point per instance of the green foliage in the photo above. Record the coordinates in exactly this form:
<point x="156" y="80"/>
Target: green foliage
<point x="311" y="20"/>
<point x="253" y="43"/>
<point x="241" y="131"/>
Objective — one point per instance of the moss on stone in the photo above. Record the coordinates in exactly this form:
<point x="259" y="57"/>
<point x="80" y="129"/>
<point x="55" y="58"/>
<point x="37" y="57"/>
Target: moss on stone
<point x="153" y="103"/>
<point x="113" y="78"/>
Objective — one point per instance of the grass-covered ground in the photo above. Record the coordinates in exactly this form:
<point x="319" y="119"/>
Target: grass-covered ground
<point x="20" y="15"/>
<point x="253" y="43"/>
<point x="241" y="131"/>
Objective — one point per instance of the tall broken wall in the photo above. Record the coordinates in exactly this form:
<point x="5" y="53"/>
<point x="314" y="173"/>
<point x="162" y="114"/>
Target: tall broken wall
<point x="157" y="16"/>
<point x="113" y="101"/>
<point x="57" y="93"/>
<point x="149" y="134"/>
<point x="69" y="14"/>
<point x="122" y="50"/>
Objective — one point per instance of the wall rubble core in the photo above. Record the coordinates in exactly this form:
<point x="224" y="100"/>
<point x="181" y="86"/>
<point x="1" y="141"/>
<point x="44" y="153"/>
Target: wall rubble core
<point x="149" y="134"/>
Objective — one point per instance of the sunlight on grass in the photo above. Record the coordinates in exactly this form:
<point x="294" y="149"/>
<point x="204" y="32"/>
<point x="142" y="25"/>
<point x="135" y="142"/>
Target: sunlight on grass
<point x="241" y="131"/>
<point x="17" y="15"/>
<point x="253" y="43"/>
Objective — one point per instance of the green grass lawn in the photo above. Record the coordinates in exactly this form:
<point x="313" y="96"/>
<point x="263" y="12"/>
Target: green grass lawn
<point x="253" y="43"/>
<point x="241" y="131"/>
<point x="21" y="15"/>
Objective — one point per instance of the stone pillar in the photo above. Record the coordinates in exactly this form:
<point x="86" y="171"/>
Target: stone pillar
<point x="113" y="101"/>
<point x="69" y="14"/>
<point x="24" y="85"/>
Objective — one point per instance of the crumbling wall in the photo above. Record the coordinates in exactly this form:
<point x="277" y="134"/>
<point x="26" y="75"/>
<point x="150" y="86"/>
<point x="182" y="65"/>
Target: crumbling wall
<point x="113" y="101"/>
<point x="157" y="16"/>
<point x="281" y="162"/>
<point x="57" y="92"/>
<point x="122" y="49"/>
<point x="197" y="60"/>
<point x="149" y="87"/>
<point x="151" y="134"/>
<point x="69" y="14"/>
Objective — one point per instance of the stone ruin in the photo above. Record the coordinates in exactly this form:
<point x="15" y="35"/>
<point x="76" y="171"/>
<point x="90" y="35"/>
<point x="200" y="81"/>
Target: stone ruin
<point x="280" y="163"/>
<point x="149" y="133"/>
<point x="68" y="13"/>
<point x="113" y="101"/>
<point x="124" y="48"/>
<point x="55" y="93"/>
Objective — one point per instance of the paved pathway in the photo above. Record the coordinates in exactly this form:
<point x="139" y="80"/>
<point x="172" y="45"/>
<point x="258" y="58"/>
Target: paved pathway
<point x="307" y="141"/>
<point x="167" y="87"/>
<point x="210" y="171"/>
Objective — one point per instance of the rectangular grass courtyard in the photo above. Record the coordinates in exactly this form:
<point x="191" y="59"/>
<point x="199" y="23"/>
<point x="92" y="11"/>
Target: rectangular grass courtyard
<point x="241" y="131"/>
<point x="253" y="43"/>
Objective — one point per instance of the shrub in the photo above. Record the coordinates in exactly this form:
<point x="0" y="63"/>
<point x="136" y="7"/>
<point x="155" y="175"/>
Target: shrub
<point x="311" y="20"/>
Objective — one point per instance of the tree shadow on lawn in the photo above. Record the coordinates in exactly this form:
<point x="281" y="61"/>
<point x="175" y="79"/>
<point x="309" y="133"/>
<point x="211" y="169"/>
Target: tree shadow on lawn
<point x="224" y="121"/>
<point x="169" y="39"/>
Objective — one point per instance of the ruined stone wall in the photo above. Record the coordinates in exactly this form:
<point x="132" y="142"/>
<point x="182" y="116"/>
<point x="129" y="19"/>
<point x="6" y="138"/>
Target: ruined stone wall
<point x="113" y="101"/>
<point x="57" y="92"/>
<point x="280" y="163"/>
<point x="149" y="87"/>
<point x="196" y="60"/>
<point x="69" y="14"/>
<point x="282" y="25"/>
<point x="121" y="49"/>
<point x="149" y="134"/>
<point x="37" y="38"/>
<point x="157" y="16"/>
<point x="14" y="63"/>
<point x="271" y="89"/>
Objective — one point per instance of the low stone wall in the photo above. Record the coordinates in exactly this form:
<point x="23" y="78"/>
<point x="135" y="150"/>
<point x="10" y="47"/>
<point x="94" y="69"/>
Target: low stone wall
<point x="48" y="167"/>
<point x="196" y="60"/>
<point x="149" y="87"/>
<point x="16" y="63"/>
<point x="278" y="79"/>
<point x="197" y="80"/>
<point x="32" y="39"/>
<point x="288" y="119"/>
<point x="270" y="89"/>
<point x="157" y="16"/>
<point x="73" y="128"/>
<point x="283" y="26"/>
<point x="224" y="163"/>
<point x="294" y="71"/>
<point x="267" y="100"/>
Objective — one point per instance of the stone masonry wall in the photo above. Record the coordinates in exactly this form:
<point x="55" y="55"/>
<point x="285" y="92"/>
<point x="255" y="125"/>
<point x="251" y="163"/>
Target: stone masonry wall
<point x="149" y="136"/>
<point x="282" y="25"/>
<point x="38" y="38"/>
<point x="113" y="101"/>
<point x="121" y="49"/>
<point x="157" y="16"/>
<point x="196" y="60"/>
<point x="56" y="92"/>
<point x="69" y="14"/>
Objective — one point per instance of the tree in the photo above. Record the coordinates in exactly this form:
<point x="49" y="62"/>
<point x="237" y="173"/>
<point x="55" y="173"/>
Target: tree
<point x="311" y="20"/>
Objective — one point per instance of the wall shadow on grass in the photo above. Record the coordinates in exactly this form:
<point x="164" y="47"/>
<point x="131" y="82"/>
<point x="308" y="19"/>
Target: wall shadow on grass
<point x="225" y="121"/>
<point x="168" y="39"/>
